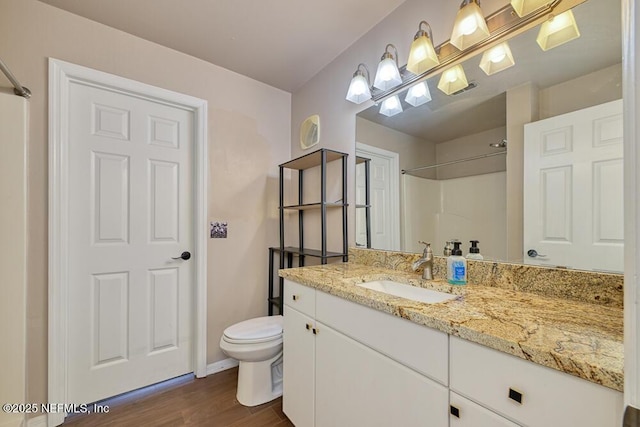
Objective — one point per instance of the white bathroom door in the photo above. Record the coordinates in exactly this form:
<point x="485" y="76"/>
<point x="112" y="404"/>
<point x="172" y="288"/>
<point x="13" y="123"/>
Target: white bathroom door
<point x="384" y="197"/>
<point x="130" y="213"/>
<point x="573" y="190"/>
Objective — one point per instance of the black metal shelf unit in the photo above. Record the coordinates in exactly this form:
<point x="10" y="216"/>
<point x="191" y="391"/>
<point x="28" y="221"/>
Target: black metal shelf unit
<point x="367" y="197"/>
<point x="318" y="158"/>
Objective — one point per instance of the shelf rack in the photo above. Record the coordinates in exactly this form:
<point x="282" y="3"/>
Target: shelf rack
<point x="318" y="158"/>
<point x="367" y="196"/>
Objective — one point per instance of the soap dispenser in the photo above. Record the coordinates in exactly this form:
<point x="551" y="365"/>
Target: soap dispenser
<point x="457" y="266"/>
<point x="474" y="251"/>
<point x="448" y="248"/>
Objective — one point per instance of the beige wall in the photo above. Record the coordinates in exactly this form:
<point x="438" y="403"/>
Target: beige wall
<point x="412" y="151"/>
<point x="13" y="247"/>
<point x="591" y="89"/>
<point x="471" y="146"/>
<point x="249" y="135"/>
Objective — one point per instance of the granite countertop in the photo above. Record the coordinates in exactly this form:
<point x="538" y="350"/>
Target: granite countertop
<point x="579" y="338"/>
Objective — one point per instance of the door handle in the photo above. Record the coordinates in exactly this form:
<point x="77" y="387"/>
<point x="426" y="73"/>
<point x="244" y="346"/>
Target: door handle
<point x="184" y="256"/>
<point x="533" y="253"/>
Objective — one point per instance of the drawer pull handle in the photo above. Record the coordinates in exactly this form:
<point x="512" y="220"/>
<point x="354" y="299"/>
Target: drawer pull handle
<point x="295" y="297"/>
<point x="315" y="331"/>
<point x="454" y="411"/>
<point x="515" y="395"/>
<point x="308" y="325"/>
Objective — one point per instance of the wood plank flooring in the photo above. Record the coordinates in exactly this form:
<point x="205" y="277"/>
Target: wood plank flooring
<point x="185" y="401"/>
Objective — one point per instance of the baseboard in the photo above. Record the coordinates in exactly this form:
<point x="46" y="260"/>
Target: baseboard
<point x="39" y="421"/>
<point x="220" y="366"/>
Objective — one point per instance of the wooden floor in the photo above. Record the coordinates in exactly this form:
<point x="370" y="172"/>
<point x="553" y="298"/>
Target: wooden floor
<point x="186" y="401"/>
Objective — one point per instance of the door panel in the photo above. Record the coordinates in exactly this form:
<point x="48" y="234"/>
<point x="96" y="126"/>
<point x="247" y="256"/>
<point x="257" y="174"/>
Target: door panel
<point x="573" y="189"/>
<point x="130" y="210"/>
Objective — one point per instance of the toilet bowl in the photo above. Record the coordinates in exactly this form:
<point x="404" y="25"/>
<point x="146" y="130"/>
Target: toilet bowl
<point x="257" y="345"/>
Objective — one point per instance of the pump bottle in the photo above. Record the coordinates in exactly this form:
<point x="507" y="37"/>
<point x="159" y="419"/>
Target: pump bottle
<point x="457" y="266"/>
<point x="474" y="251"/>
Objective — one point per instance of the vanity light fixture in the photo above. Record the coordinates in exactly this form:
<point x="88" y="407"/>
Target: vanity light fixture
<point x="472" y="34"/>
<point x="391" y="106"/>
<point x="359" y="91"/>
<point x="453" y="80"/>
<point x="418" y="94"/>
<point x="558" y="30"/>
<point x="422" y="56"/>
<point x="496" y="59"/>
<point x="525" y="7"/>
<point x="470" y="26"/>
<point x="388" y="75"/>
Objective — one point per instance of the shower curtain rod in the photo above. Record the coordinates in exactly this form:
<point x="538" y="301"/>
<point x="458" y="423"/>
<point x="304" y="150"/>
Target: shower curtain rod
<point x="18" y="89"/>
<point x="453" y="162"/>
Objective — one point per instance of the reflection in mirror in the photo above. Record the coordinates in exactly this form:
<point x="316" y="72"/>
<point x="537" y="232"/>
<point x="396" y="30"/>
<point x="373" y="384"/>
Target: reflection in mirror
<point x="554" y="188"/>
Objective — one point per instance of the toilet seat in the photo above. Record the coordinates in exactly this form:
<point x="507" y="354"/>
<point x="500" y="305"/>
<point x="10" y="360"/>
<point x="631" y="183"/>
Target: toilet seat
<point x="258" y="330"/>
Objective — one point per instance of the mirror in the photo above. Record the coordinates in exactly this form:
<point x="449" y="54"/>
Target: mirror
<point x="310" y="132"/>
<point x="468" y="168"/>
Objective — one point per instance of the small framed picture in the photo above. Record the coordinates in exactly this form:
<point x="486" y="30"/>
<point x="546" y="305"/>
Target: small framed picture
<point x="218" y="230"/>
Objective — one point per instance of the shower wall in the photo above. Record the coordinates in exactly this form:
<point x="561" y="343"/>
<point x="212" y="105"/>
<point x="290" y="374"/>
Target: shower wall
<point x="468" y="208"/>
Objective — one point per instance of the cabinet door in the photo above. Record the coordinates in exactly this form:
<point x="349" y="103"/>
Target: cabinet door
<point x="298" y="365"/>
<point x="356" y="386"/>
<point x="465" y="413"/>
<point x="528" y="393"/>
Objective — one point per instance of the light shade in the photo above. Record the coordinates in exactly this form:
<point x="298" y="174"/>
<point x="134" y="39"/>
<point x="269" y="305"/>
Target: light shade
<point x="422" y="56"/>
<point x="388" y="75"/>
<point x="496" y="59"/>
<point x="470" y="26"/>
<point x="558" y="30"/>
<point x="525" y="7"/>
<point x="359" y="91"/>
<point x="418" y="94"/>
<point x="391" y="106"/>
<point x="453" y="80"/>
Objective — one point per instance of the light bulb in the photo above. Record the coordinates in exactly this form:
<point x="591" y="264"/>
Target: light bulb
<point x="391" y="106"/>
<point x="453" y="80"/>
<point x="392" y="103"/>
<point x="496" y="59"/>
<point x="497" y="55"/>
<point x="418" y="94"/>
<point x="358" y="87"/>
<point x="419" y="89"/>
<point x="468" y="25"/>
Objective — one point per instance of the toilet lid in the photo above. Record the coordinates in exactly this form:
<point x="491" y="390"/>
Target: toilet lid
<point x="255" y="329"/>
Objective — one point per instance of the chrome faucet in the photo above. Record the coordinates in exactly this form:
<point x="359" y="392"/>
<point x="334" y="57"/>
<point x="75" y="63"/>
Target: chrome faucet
<point x="427" y="261"/>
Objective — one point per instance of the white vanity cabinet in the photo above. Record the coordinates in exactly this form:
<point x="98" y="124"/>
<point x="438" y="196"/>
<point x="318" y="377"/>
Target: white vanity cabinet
<point x="352" y="373"/>
<point x="528" y="393"/>
<point x="350" y="365"/>
<point x="299" y="354"/>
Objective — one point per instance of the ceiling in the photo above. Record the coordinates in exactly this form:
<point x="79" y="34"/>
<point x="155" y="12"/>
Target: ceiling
<point x="445" y="117"/>
<point x="282" y="43"/>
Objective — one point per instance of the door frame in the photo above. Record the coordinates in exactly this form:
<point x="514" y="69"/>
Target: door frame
<point x="365" y="150"/>
<point x="61" y="75"/>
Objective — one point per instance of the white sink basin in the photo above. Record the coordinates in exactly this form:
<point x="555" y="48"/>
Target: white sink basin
<point x="407" y="291"/>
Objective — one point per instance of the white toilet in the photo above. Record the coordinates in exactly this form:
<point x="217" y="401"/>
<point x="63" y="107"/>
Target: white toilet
<point x="257" y="345"/>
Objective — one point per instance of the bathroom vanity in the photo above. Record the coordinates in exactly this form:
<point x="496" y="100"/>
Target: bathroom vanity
<point x="490" y="357"/>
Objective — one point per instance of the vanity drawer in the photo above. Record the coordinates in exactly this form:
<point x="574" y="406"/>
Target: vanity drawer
<point x="465" y="413"/>
<point x="300" y="297"/>
<point x="420" y="348"/>
<point x="528" y="393"/>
